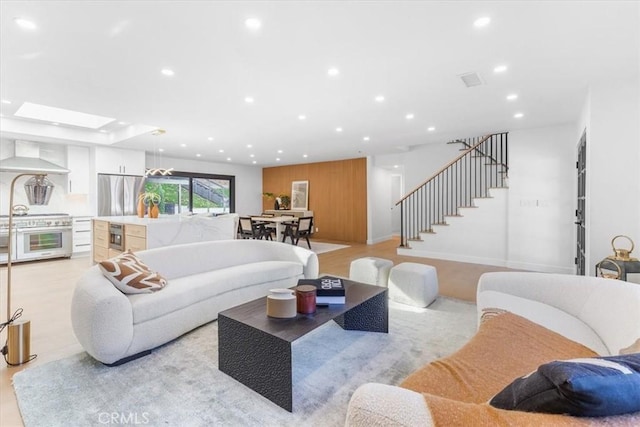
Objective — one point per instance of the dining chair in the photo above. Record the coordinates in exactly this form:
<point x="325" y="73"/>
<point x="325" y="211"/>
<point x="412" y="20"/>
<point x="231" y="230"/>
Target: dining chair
<point x="248" y="228"/>
<point x="295" y="230"/>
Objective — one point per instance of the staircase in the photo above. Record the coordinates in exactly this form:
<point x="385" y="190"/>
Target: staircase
<point x="481" y="168"/>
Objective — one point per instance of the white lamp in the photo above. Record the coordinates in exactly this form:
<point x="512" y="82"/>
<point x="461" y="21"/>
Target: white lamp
<point x="17" y="350"/>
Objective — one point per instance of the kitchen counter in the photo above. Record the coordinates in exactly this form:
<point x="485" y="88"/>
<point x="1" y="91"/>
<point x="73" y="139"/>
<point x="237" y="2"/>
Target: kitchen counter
<point x="173" y="229"/>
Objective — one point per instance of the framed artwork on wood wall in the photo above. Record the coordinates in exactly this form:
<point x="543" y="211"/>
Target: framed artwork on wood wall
<point x="300" y="195"/>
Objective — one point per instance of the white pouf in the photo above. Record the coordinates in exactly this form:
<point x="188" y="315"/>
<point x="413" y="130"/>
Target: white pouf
<point x="370" y="270"/>
<point x="413" y="284"/>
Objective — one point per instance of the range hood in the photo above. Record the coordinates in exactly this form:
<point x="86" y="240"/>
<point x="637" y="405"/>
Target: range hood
<point x="27" y="160"/>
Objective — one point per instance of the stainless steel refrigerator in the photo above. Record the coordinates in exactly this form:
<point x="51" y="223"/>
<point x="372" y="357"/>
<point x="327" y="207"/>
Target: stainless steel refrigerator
<point x="118" y="194"/>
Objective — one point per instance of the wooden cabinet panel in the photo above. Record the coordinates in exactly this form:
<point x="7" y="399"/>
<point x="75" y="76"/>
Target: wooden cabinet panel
<point x="135" y="243"/>
<point x="135" y="230"/>
<point x="100" y="240"/>
<point x="100" y="254"/>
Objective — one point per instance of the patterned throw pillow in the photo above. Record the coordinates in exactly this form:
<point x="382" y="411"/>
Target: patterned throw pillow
<point x="130" y="275"/>
<point x="588" y="387"/>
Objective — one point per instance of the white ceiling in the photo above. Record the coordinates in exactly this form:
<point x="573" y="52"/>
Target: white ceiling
<point x="105" y="58"/>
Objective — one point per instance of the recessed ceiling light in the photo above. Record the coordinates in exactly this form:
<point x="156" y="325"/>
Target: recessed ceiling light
<point x="279" y="151"/>
<point x="366" y="138"/>
<point x="210" y="138"/>
<point x="518" y="115"/>
<point x="221" y="151"/>
<point x="102" y="131"/>
<point x="333" y="72"/>
<point x="379" y="98"/>
<point x="249" y="145"/>
<point x="302" y="117"/>
<point x="25" y="23"/>
<point x="482" y="22"/>
<point x="183" y="145"/>
<point x="121" y="123"/>
<point x="254" y="24"/>
<point x="431" y="128"/>
<point x="512" y="97"/>
<point x="254" y="162"/>
<point x="252" y="155"/>
<point x="338" y="130"/>
<point x="161" y="149"/>
<point x="248" y="100"/>
<point x="277" y="159"/>
<point x="500" y="69"/>
<point x="409" y="116"/>
<point x="198" y="155"/>
<point x="228" y="159"/>
<point x="6" y="101"/>
<point x="55" y="123"/>
<point x="395" y="166"/>
<point x="167" y="72"/>
<point x="305" y="156"/>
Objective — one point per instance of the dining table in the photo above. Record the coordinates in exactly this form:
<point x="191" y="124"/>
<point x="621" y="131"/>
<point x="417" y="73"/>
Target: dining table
<point x="278" y="221"/>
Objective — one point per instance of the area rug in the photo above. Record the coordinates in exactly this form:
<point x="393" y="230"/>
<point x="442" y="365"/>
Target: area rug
<point x="321" y="247"/>
<point x="180" y="384"/>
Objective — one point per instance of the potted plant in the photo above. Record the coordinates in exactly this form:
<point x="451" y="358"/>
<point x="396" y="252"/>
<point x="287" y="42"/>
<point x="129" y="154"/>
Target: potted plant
<point x="285" y="201"/>
<point x="153" y="200"/>
<point x="272" y="196"/>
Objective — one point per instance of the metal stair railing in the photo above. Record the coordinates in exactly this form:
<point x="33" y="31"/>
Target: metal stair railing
<point x="482" y="165"/>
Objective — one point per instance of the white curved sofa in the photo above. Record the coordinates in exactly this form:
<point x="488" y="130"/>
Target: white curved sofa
<point x="601" y="314"/>
<point x="203" y="279"/>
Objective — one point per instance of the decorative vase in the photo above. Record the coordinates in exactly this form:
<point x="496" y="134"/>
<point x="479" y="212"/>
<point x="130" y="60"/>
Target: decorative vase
<point x="141" y="208"/>
<point x="281" y="303"/>
<point x="153" y="211"/>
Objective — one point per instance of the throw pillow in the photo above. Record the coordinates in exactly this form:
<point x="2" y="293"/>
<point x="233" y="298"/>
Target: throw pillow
<point x="130" y="275"/>
<point x="589" y="387"/>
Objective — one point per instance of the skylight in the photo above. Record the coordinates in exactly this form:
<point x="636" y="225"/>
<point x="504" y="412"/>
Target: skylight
<point x="59" y="115"/>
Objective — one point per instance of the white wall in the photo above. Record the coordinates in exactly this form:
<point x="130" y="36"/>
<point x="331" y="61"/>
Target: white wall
<point x="379" y="203"/>
<point x="248" y="179"/>
<point x="542" y="199"/>
<point x="612" y="117"/>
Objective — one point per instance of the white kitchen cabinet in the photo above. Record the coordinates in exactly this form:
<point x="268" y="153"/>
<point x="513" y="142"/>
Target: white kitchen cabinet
<point x="81" y="229"/>
<point x="78" y="165"/>
<point x="119" y="161"/>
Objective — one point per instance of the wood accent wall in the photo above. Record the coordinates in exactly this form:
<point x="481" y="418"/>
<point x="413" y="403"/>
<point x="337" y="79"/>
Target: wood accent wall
<point x="337" y="195"/>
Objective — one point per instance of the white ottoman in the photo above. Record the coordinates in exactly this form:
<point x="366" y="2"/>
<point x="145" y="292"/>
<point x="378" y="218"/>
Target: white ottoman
<point x="370" y="270"/>
<point x="413" y="284"/>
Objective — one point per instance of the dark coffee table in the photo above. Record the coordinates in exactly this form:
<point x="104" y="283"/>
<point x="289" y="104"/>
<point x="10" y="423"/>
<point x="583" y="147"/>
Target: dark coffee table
<point x="256" y="349"/>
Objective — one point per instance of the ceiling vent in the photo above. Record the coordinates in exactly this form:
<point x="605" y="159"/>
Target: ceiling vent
<point x="471" y="79"/>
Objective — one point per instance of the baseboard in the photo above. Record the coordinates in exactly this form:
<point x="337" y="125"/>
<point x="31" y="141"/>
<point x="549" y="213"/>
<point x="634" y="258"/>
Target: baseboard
<point x="379" y="239"/>
<point x="516" y="265"/>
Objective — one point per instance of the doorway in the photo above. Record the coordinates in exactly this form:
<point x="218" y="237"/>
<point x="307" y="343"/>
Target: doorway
<point x="581" y="166"/>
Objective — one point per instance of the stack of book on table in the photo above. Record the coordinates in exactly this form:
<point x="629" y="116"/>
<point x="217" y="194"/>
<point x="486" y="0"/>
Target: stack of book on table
<point x="329" y="290"/>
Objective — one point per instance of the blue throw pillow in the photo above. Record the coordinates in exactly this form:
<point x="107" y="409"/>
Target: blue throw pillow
<point x="590" y="387"/>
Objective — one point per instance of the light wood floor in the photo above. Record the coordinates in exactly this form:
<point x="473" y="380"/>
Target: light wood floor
<point x="43" y="289"/>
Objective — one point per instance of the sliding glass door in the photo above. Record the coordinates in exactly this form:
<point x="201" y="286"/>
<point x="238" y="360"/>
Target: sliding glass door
<point x="184" y="192"/>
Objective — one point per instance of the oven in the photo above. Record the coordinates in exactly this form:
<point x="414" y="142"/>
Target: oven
<point x="116" y="237"/>
<point x="36" y="237"/>
<point x="40" y="243"/>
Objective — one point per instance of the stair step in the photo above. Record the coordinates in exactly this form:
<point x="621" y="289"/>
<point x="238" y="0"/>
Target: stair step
<point x="430" y="231"/>
<point x="457" y="141"/>
<point x="454" y="216"/>
<point x="466" y="207"/>
<point x="440" y="223"/>
<point x="415" y="240"/>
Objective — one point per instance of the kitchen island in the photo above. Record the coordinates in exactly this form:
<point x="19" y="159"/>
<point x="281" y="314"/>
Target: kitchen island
<point x="146" y="233"/>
